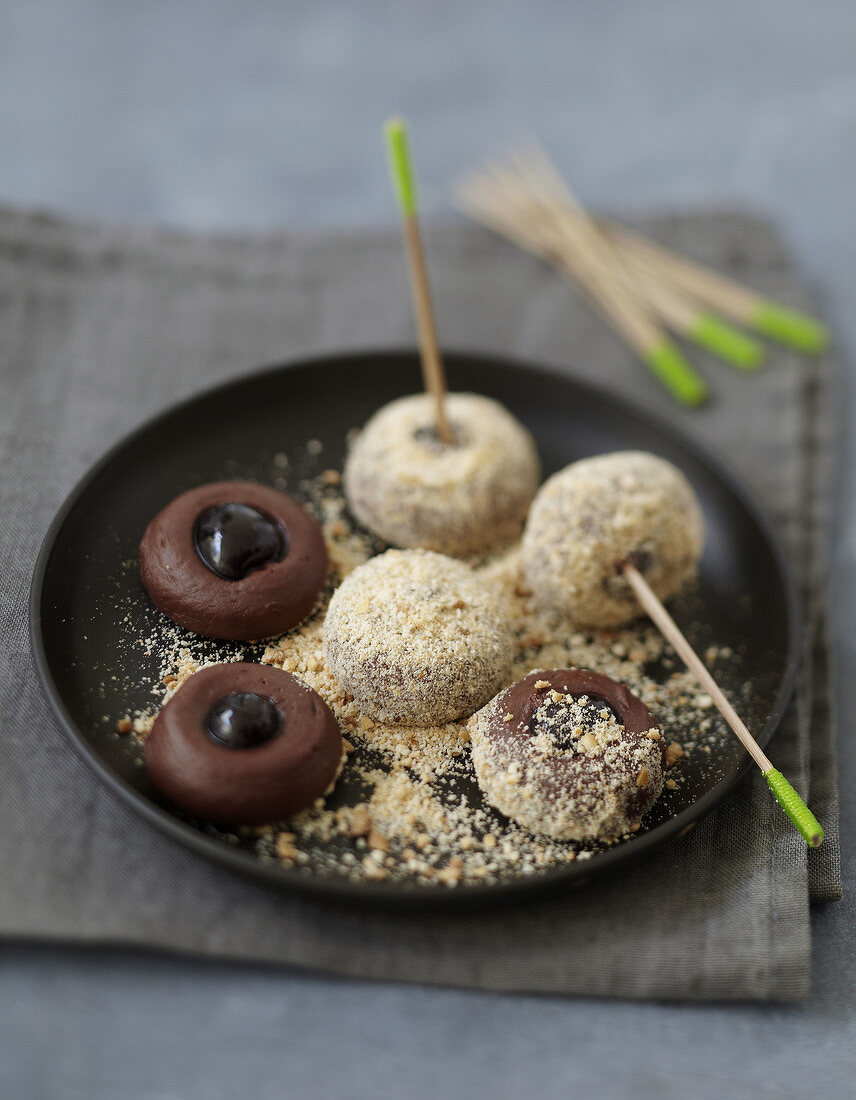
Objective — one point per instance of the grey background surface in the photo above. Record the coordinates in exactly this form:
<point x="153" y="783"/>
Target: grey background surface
<point x="266" y="114"/>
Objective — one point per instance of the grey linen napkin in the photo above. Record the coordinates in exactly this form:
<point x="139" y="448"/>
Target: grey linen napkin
<point x="102" y="326"/>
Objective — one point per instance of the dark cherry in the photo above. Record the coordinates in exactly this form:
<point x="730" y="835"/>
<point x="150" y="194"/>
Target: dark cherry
<point x="554" y="719"/>
<point x="234" y="539"/>
<point x="243" y="720"/>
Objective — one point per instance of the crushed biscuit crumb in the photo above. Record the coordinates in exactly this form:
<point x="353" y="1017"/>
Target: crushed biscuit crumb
<point x="405" y="816"/>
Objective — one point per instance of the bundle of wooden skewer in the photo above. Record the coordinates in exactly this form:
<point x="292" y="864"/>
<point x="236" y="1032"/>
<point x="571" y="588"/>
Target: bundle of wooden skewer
<point x="645" y="291"/>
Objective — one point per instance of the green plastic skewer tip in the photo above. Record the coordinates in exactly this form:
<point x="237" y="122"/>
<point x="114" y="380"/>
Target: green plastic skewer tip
<point x="400" y="165"/>
<point x="806" y="823"/>
<point x="727" y="342"/>
<point x="790" y="327"/>
<point x="676" y="374"/>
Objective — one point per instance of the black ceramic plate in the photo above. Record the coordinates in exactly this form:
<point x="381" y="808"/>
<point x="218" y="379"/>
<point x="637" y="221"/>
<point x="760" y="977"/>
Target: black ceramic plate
<point x="88" y="607"/>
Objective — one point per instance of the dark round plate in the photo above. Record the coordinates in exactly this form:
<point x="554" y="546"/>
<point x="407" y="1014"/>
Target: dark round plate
<point x="88" y="608"/>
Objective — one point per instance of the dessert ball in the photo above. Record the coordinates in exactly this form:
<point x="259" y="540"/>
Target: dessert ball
<point x="244" y="744"/>
<point x="570" y="754"/>
<point x="234" y="560"/>
<point x="595" y="515"/>
<point x="407" y="486"/>
<point x="417" y="638"/>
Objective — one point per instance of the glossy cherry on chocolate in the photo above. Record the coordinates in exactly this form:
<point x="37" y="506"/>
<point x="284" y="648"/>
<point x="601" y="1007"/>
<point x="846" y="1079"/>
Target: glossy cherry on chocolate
<point x="243" y="720"/>
<point x="205" y="778"/>
<point x="234" y="539"/>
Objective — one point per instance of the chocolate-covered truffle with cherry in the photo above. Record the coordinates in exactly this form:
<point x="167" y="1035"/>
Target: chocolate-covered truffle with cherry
<point x="417" y="638"/>
<point x="599" y="513"/>
<point x="244" y="744"/>
<point x="234" y="560"/>
<point x="406" y="485"/>
<point x="569" y="753"/>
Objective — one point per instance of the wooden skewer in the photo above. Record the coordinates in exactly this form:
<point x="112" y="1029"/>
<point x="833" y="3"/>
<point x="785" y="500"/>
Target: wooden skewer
<point x="684" y="316"/>
<point x="671" y="303"/>
<point x="527" y="236"/>
<point x="488" y="199"/>
<point x="727" y="295"/>
<point x="589" y="264"/>
<point x="677" y="311"/>
<point x="531" y="238"/>
<point x="582" y="235"/>
<point x="485" y="201"/>
<point x="529" y="231"/>
<point x="718" y="291"/>
<point x="433" y="373"/>
<point x="527" y="227"/>
<point x="802" y="817"/>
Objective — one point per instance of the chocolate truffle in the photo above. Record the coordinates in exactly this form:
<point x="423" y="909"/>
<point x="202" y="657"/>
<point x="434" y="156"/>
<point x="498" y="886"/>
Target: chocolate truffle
<point x="407" y="486"/>
<point x="244" y="744"/>
<point x="570" y="754"/>
<point x="598" y="513"/>
<point x="234" y="560"/>
<point x="417" y="638"/>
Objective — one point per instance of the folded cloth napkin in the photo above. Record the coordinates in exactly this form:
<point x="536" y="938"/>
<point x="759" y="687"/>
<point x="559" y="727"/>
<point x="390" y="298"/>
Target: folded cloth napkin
<point x="104" y="325"/>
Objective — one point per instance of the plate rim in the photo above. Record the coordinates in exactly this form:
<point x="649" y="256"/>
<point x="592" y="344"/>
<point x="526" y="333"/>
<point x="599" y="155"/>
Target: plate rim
<point x="398" y="895"/>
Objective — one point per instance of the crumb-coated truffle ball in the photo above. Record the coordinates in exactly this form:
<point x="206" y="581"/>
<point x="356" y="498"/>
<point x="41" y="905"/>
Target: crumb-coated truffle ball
<point x="417" y="638"/>
<point x="569" y="753"/>
<point x="598" y="513"/>
<point x="407" y="486"/>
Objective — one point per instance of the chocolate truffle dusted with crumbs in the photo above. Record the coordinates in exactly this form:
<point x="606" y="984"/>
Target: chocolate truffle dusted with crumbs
<point x="595" y="515"/>
<point x="413" y="490"/>
<point x="569" y="753"/>
<point x="417" y="638"/>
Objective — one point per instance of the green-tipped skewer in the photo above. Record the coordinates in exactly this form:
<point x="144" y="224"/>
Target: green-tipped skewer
<point x="725" y="295"/>
<point x="803" y="819"/>
<point x="401" y="165"/>
<point x="788" y="327"/>
<point x="685" y="318"/>
<point x="729" y="343"/>
<point x="807" y="824"/>
<point x="675" y="372"/>
<point x="683" y="315"/>
<point x="516" y="202"/>
<point x="404" y="183"/>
